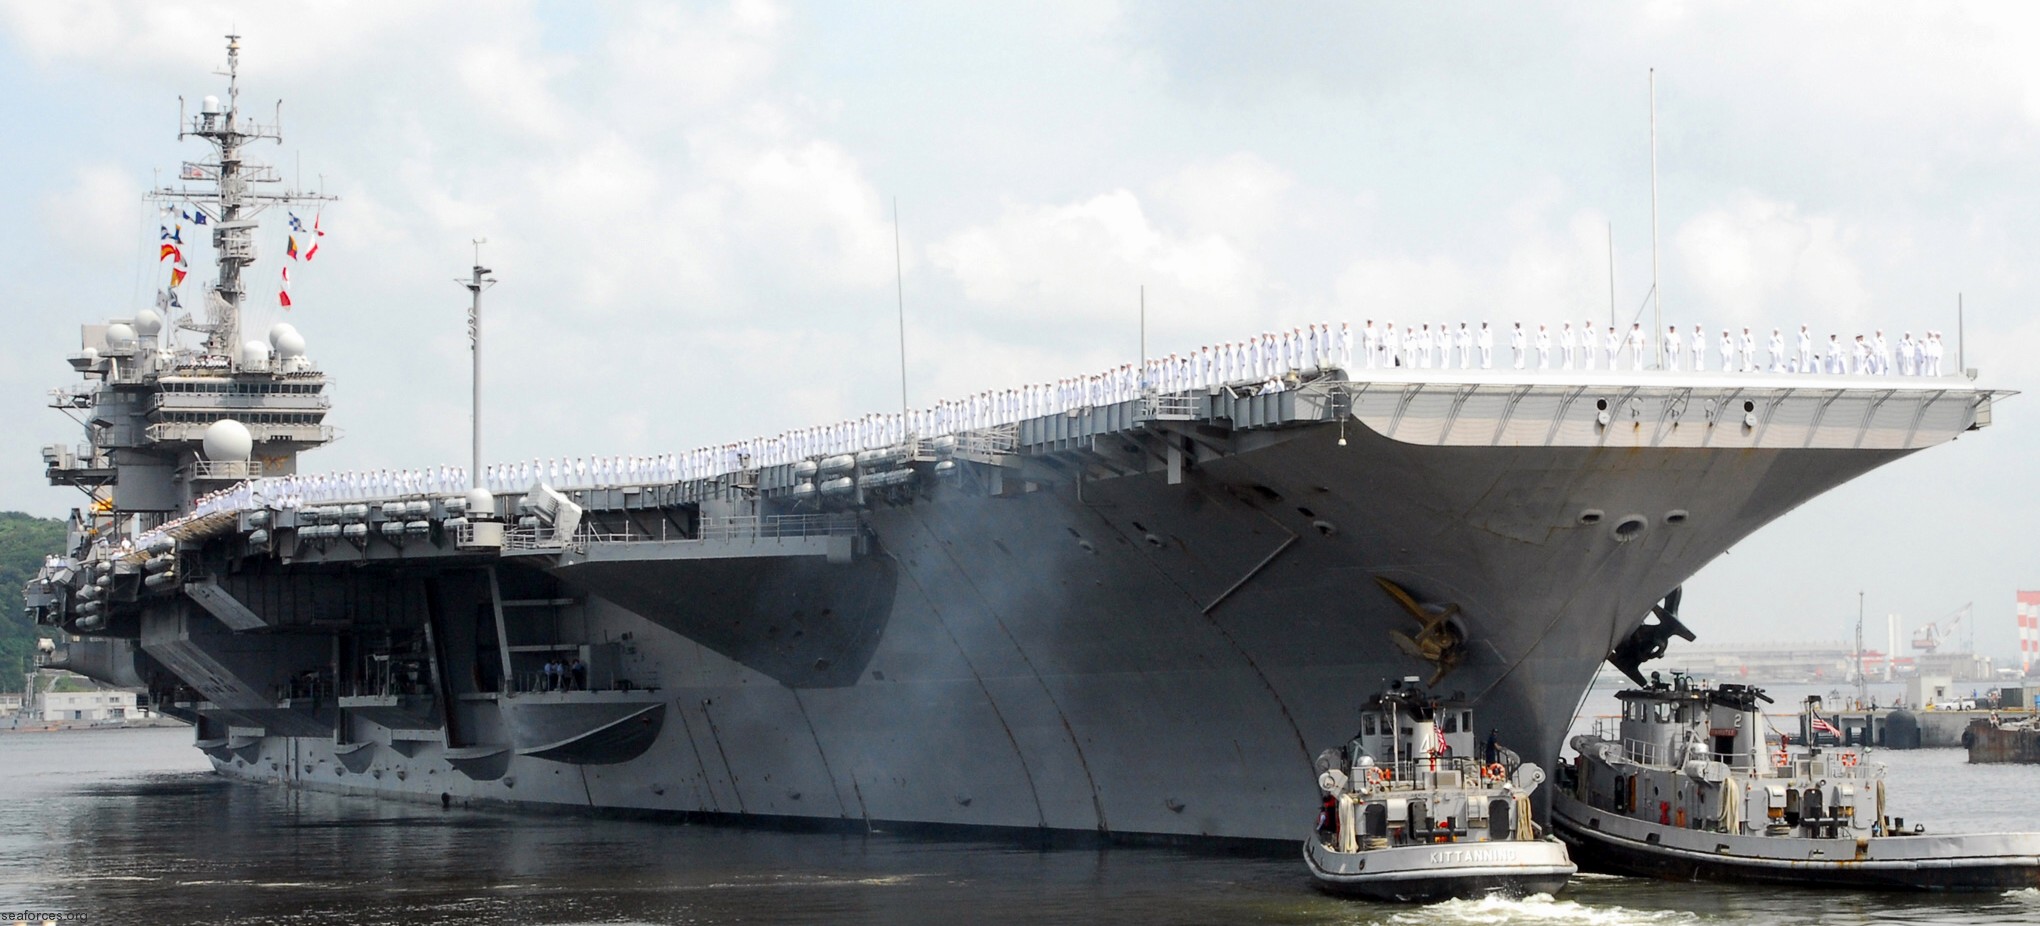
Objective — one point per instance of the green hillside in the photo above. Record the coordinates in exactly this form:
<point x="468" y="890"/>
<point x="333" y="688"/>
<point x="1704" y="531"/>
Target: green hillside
<point x="24" y="541"/>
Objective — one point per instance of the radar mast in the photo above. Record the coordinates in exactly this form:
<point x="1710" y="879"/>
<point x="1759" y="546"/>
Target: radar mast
<point x="231" y="204"/>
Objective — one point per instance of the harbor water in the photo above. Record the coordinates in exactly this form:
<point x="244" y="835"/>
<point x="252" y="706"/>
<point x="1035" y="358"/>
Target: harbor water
<point x="131" y="827"/>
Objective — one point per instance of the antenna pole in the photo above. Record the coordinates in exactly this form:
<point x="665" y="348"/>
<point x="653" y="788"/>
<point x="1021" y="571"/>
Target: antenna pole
<point x="1862" y="678"/>
<point x="480" y="280"/>
<point x="1611" y="274"/>
<point x="1657" y="315"/>
<point x="1142" y="378"/>
<point x="1961" y="365"/>
<point x="900" y="289"/>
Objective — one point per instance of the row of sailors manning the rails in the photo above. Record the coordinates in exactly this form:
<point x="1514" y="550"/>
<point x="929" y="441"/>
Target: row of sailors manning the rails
<point x="1586" y="347"/>
<point x="1268" y="363"/>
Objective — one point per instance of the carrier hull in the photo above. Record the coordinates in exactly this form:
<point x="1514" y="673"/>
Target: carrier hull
<point x="1128" y="656"/>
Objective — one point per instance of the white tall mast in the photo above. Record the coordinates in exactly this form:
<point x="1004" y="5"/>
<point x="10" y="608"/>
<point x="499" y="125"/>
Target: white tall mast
<point x="1657" y="314"/>
<point x="480" y="281"/>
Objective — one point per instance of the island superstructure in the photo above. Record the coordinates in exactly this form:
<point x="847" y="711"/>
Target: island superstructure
<point x="1123" y="615"/>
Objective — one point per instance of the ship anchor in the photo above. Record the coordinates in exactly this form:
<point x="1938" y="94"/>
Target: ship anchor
<point x="1649" y="641"/>
<point x="1440" y="642"/>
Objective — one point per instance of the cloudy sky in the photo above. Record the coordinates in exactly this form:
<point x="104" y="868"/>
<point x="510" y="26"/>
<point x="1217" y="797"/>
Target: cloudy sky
<point x="690" y="207"/>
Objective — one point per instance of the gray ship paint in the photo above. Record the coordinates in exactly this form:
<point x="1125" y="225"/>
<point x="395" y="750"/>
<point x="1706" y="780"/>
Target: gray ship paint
<point x="1126" y="620"/>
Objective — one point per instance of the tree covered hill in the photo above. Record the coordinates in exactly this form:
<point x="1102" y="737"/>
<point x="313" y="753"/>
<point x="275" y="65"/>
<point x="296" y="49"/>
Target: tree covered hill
<point x="24" y="541"/>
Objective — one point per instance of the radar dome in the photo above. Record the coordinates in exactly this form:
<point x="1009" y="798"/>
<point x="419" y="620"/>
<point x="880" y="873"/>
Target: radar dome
<point x="481" y="502"/>
<point x="211" y="104"/>
<point x="289" y="344"/>
<point x="120" y="334"/>
<point x="147" y="323"/>
<point x="91" y="354"/>
<point x="228" y="441"/>
<point x="254" y="353"/>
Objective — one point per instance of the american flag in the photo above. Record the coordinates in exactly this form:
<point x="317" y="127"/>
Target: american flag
<point x="1820" y="725"/>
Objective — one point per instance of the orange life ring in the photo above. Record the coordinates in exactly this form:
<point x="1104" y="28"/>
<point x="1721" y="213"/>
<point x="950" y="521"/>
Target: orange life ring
<point x="1378" y="775"/>
<point x="1782" y="758"/>
<point x="1849" y="759"/>
<point x="1495" y="771"/>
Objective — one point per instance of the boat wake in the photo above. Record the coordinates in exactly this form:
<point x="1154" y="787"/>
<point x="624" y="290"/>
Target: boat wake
<point x="1536" y="908"/>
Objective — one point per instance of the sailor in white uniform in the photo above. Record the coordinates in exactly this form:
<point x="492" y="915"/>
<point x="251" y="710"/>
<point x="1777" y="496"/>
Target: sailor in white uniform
<point x="1485" y="340"/>
<point x="1746" y="347"/>
<point x="1517" y="341"/>
<point x="1880" y="354"/>
<point x="1672" y="347"/>
<point x="1699" y="347"/>
<point x="1908" y="361"/>
<point x="1806" y="350"/>
<point x="1463" y="339"/>
<point x="1835" y="363"/>
<point x="1635" y="345"/>
<point x="1543" y="348"/>
<point x="1370" y="341"/>
<point x="1567" y="344"/>
<point x="1727" y="351"/>
<point x="1612" y="344"/>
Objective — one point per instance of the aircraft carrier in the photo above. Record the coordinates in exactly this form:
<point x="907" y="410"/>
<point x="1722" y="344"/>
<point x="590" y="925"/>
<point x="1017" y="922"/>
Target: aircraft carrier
<point x="1127" y="618"/>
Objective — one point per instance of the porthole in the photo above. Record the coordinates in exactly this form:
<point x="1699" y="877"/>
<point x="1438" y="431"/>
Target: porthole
<point x="1630" y="528"/>
<point x="1675" y="516"/>
<point x="1592" y="516"/>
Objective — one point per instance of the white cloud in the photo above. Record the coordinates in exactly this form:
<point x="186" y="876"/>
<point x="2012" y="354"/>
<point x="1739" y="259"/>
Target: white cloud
<point x="511" y="81"/>
<point x="1553" y="271"/>
<point x="673" y="60"/>
<point x="1062" y="263"/>
<point x="1241" y="196"/>
<point x="1754" y="260"/>
<point x="130" y="36"/>
<point x="99" y="213"/>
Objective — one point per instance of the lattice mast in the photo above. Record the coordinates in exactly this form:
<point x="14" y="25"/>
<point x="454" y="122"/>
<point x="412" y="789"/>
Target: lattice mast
<point x="231" y="204"/>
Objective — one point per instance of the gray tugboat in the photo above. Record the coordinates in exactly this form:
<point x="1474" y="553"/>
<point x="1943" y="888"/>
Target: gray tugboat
<point x="1690" y="791"/>
<point x="1411" y="812"/>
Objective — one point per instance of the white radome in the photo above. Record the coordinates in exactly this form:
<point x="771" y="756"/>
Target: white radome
<point x="147" y="323"/>
<point x="120" y="334"/>
<point x="254" y="353"/>
<point x="228" y="441"/>
<point x="481" y="502"/>
<point x="288" y="342"/>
